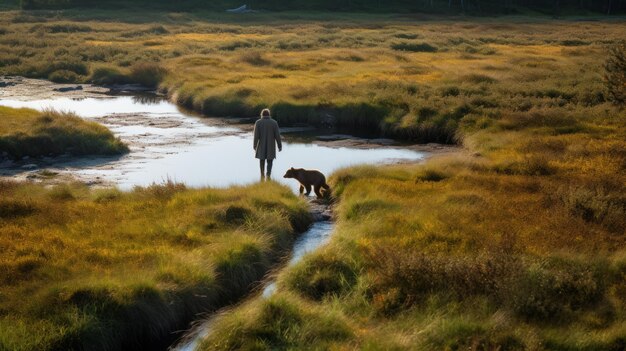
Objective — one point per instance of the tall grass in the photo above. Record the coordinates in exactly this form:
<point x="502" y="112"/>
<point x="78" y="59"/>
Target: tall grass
<point x="427" y="82"/>
<point x="25" y="132"/>
<point x="105" y="269"/>
<point x="515" y="244"/>
<point x="457" y="254"/>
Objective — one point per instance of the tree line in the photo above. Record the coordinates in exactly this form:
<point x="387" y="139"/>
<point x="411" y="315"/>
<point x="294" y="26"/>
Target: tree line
<point x="553" y="7"/>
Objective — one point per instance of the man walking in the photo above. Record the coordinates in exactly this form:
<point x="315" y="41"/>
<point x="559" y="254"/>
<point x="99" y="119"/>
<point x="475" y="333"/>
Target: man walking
<point x="266" y="137"/>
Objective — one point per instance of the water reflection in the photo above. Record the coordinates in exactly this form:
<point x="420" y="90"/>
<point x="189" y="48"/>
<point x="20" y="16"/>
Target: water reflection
<point x="147" y="99"/>
<point x="168" y="144"/>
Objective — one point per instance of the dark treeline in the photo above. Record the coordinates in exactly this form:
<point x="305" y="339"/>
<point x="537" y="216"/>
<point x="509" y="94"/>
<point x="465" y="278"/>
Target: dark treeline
<point x="553" y="7"/>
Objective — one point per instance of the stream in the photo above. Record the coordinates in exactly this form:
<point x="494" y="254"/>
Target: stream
<point x="168" y="144"/>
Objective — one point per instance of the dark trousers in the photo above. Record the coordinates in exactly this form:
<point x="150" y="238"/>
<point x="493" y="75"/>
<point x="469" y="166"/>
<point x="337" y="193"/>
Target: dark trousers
<point x="269" y="167"/>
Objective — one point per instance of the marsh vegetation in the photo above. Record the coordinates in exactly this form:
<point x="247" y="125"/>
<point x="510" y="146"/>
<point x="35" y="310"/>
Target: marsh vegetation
<point x="30" y="133"/>
<point x="105" y="269"/>
<point x="517" y="243"/>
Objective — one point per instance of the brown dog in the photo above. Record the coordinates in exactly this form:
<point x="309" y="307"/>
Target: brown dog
<point x="308" y="178"/>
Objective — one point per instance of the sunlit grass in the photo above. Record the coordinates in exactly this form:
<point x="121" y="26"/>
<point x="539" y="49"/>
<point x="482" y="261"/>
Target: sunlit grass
<point x="307" y="69"/>
<point x="517" y="243"/>
<point x="104" y="267"/>
<point x="25" y="132"/>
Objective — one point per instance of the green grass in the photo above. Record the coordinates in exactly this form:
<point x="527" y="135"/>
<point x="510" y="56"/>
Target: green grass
<point x="25" y="132"/>
<point x="427" y="81"/>
<point x="515" y="243"/>
<point x="105" y="269"/>
<point x="455" y="254"/>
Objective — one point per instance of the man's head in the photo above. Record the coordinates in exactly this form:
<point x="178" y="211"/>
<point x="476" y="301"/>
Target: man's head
<point x="265" y="112"/>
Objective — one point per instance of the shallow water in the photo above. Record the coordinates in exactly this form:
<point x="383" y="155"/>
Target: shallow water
<point x="316" y="236"/>
<point x="309" y="241"/>
<point x="167" y="144"/>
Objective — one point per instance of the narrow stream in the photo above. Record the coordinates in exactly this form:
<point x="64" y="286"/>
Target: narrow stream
<point x="309" y="241"/>
<point x="167" y="144"/>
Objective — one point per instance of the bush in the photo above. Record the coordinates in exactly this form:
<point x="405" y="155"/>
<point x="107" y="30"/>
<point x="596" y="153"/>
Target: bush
<point x="13" y="209"/>
<point x="320" y="276"/>
<point x="615" y="73"/>
<point x="108" y="75"/>
<point x="148" y="74"/>
<point x="431" y="175"/>
<point x="550" y="291"/>
<point x="254" y="58"/>
<point x="479" y="78"/>
<point x="55" y="133"/>
<point x="239" y="266"/>
<point x="63" y="76"/>
<point x="595" y="204"/>
<point x="414" y="47"/>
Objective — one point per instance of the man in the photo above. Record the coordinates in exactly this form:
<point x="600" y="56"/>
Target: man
<point x="266" y="137"/>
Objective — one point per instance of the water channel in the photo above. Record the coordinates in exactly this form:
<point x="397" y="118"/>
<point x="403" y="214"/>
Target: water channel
<point x="167" y="144"/>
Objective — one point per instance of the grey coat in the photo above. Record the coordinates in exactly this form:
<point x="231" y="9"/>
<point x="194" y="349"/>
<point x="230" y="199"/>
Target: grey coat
<point x="266" y="136"/>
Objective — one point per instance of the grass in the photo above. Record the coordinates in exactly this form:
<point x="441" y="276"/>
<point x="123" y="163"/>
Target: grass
<point x="456" y="254"/>
<point x="379" y="72"/>
<point x="515" y="245"/>
<point x="105" y="269"/>
<point x="25" y="132"/>
<point x="518" y="243"/>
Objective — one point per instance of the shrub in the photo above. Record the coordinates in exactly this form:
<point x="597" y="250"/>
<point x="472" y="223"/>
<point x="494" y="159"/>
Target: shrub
<point x="11" y="208"/>
<point x="615" y="73"/>
<point x="239" y="266"/>
<point x="459" y="334"/>
<point x="57" y="133"/>
<point x="450" y="91"/>
<point x="595" y="204"/>
<point x="413" y="47"/>
<point x="148" y="74"/>
<point x="108" y="75"/>
<point x="403" y="277"/>
<point x="406" y="36"/>
<point x="431" y="175"/>
<point x="479" y="78"/>
<point x="551" y="290"/>
<point x="254" y="58"/>
<point x="236" y="214"/>
<point x="63" y="76"/>
<point x="573" y="42"/>
<point x="322" y="275"/>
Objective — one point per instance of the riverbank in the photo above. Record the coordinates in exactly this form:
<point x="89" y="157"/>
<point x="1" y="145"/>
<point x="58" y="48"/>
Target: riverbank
<point x="169" y="143"/>
<point x="447" y="255"/>
<point x="122" y="270"/>
<point x="26" y="134"/>
<point x="317" y="235"/>
<point x="516" y="245"/>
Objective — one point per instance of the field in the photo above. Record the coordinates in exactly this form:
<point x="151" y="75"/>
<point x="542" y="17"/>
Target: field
<point x="515" y="243"/>
<point x="105" y="269"/>
<point x="426" y="81"/>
